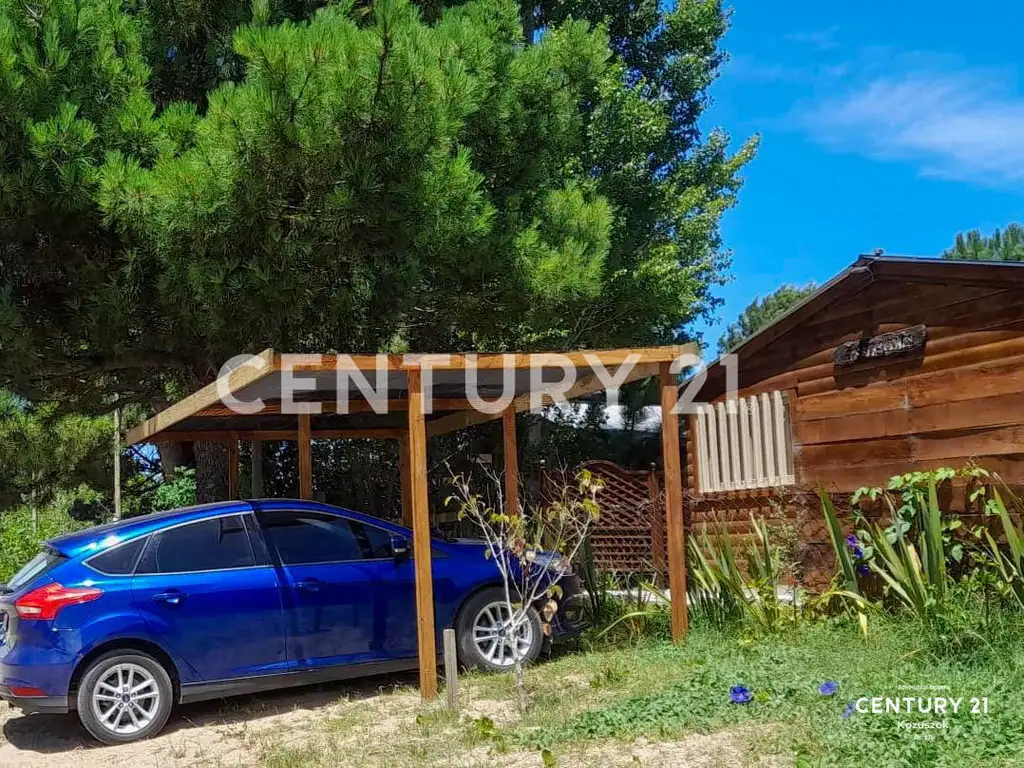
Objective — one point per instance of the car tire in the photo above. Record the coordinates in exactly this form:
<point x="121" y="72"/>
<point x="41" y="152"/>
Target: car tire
<point x="124" y="696"/>
<point x="482" y="644"/>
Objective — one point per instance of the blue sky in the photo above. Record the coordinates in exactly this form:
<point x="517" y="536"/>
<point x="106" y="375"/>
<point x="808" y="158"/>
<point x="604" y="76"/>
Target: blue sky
<point x="883" y="125"/>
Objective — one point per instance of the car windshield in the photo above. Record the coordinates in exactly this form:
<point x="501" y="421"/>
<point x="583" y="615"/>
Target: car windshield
<point x="45" y="561"/>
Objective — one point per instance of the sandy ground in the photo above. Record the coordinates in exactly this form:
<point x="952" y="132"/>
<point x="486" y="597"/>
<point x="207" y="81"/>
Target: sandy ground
<point x="217" y="734"/>
<point x="224" y="734"/>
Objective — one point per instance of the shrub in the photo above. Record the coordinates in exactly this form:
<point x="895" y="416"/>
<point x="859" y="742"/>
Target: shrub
<point x="180" y="492"/>
<point x="23" y="529"/>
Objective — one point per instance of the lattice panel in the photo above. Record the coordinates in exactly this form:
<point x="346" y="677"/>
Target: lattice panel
<point x="629" y="536"/>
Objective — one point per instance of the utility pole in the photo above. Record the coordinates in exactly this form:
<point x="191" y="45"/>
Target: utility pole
<point x="117" y="463"/>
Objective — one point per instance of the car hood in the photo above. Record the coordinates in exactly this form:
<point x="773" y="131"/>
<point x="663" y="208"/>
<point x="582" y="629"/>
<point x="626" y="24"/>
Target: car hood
<point x="542" y="559"/>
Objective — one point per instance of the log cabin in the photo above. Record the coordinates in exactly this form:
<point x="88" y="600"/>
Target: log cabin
<point x="896" y="364"/>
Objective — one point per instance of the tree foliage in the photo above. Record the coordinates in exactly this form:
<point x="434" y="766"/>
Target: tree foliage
<point x="179" y="184"/>
<point x="1002" y="245"/>
<point x="761" y="312"/>
<point x="44" y="452"/>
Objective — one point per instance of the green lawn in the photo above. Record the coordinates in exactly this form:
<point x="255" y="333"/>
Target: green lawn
<point x="656" y="692"/>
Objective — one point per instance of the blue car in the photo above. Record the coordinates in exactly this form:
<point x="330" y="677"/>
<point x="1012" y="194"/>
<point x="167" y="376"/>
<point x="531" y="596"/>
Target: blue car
<point x="122" y="621"/>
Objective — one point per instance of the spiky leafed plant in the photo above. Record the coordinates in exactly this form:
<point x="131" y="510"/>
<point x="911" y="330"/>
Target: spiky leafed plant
<point x="720" y="591"/>
<point x="1009" y="559"/>
<point x="916" y="576"/>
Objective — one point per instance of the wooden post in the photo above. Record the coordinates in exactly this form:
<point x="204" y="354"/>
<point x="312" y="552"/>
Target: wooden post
<point x="508" y="423"/>
<point x="233" y="469"/>
<point x="117" y="463"/>
<point x="673" y="500"/>
<point x="406" y="478"/>
<point x="256" y="470"/>
<point x="451" y="670"/>
<point x="305" y="457"/>
<point x="426" y="640"/>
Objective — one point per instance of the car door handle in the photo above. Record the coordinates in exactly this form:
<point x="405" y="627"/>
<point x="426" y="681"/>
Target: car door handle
<point x="170" y="598"/>
<point x="309" y="585"/>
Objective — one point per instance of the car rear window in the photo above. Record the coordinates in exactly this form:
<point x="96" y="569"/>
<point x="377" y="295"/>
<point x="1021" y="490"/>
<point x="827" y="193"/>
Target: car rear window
<point x="38" y="566"/>
<point x="120" y="560"/>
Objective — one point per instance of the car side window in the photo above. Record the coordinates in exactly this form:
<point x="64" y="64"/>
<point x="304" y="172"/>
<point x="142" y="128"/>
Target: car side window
<point x="217" y="544"/>
<point x="305" y="538"/>
<point x="119" y="560"/>
<point x="374" y="542"/>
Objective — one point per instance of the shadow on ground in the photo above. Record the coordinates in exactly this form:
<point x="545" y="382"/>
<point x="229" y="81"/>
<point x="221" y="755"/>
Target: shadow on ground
<point x="51" y="734"/>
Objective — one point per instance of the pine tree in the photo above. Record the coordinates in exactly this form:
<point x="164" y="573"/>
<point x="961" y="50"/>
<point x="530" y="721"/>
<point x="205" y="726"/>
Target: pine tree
<point x="176" y="189"/>
<point x="1005" y="245"/>
<point x="762" y="312"/>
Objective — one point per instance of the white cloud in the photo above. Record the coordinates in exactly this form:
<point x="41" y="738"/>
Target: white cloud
<point x="967" y="125"/>
<point x="822" y="39"/>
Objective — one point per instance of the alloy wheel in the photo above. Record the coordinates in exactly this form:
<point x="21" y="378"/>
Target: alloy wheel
<point x="497" y="640"/>
<point x="125" y="699"/>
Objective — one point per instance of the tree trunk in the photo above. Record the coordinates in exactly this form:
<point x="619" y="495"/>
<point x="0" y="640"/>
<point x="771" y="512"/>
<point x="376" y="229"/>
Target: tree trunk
<point x="519" y="675"/>
<point x="174" y="455"/>
<point x="528" y="15"/>
<point x="211" y="472"/>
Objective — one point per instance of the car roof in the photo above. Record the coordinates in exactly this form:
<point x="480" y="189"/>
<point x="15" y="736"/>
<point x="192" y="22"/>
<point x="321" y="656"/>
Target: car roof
<point x="100" y="537"/>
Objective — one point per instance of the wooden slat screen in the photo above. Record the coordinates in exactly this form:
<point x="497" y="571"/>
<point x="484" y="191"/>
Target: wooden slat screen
<point x="745" y="443"/>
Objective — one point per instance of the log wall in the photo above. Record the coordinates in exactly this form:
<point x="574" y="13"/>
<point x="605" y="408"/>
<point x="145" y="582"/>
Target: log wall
<point x="957" y="402"/>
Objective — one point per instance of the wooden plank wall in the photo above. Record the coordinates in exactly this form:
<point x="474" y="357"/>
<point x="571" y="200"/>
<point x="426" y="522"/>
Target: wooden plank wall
<point x="960" y="401"/>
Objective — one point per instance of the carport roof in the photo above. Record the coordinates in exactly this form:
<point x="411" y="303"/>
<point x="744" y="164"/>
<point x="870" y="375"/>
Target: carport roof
<point x="330" y="385"/>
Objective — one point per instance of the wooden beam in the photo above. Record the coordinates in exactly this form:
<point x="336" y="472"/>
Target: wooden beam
<point x="276" y="435"/>
<point x="265" y="364"/>
<point x="586" y="384"/>
<point x="460" y="361"/>
<point x="405" y="466"/>
<point x="233" y="468"/>
<point x="426" y="640"/>
<point x="399" y="405"/>
<point x="675" y="525"/>
<point x="305" y="457"/>
<point x="511" y="461"/>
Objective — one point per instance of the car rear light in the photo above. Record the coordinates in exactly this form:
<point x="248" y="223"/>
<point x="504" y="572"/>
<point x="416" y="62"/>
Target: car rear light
<point x="26" y="691"/>
<point x="44" y="603"/>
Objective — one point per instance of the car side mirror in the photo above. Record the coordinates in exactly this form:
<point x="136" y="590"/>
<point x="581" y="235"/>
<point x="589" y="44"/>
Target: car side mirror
<point x="399" y="547"/>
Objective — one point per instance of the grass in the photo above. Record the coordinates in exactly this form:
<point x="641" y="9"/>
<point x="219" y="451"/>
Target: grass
<point x="665" y="693"/>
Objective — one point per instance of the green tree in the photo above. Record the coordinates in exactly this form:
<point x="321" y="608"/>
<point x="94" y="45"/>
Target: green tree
<point x="1002" y="245"/>
<point x="346" y="177"/>
<point x="761" y="312"/>
<point x="44" y="452"/>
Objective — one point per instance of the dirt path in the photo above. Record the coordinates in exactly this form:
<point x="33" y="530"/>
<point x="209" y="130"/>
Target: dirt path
<point x="217" y="734"/>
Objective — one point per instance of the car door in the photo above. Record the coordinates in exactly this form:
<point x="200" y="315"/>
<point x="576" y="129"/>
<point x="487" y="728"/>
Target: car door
<point x="393" y="580"/>
<point x="330" y="593"/>
<point x="213" y="598"/>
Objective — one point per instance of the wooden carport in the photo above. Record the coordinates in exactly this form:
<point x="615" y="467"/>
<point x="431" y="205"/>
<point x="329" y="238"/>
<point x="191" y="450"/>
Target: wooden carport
<point x="386" y="396"/>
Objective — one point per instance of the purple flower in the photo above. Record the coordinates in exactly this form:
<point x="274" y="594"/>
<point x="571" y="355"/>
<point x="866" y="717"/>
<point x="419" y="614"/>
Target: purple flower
<point x="858" y="552"/>
<point x="851" y="541"/>
<point x="172" y="53"/>
<point x="863" y="569"/>
<point x="848" y="710"/>
<point x="828" y="688"/>
<point x="740" y="694"/>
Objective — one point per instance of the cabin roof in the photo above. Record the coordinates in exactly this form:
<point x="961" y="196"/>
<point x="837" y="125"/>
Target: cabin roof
<point x="868" y="282"/>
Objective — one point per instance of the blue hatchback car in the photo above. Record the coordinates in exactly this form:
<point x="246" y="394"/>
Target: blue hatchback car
<point x="123" y="621"/>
